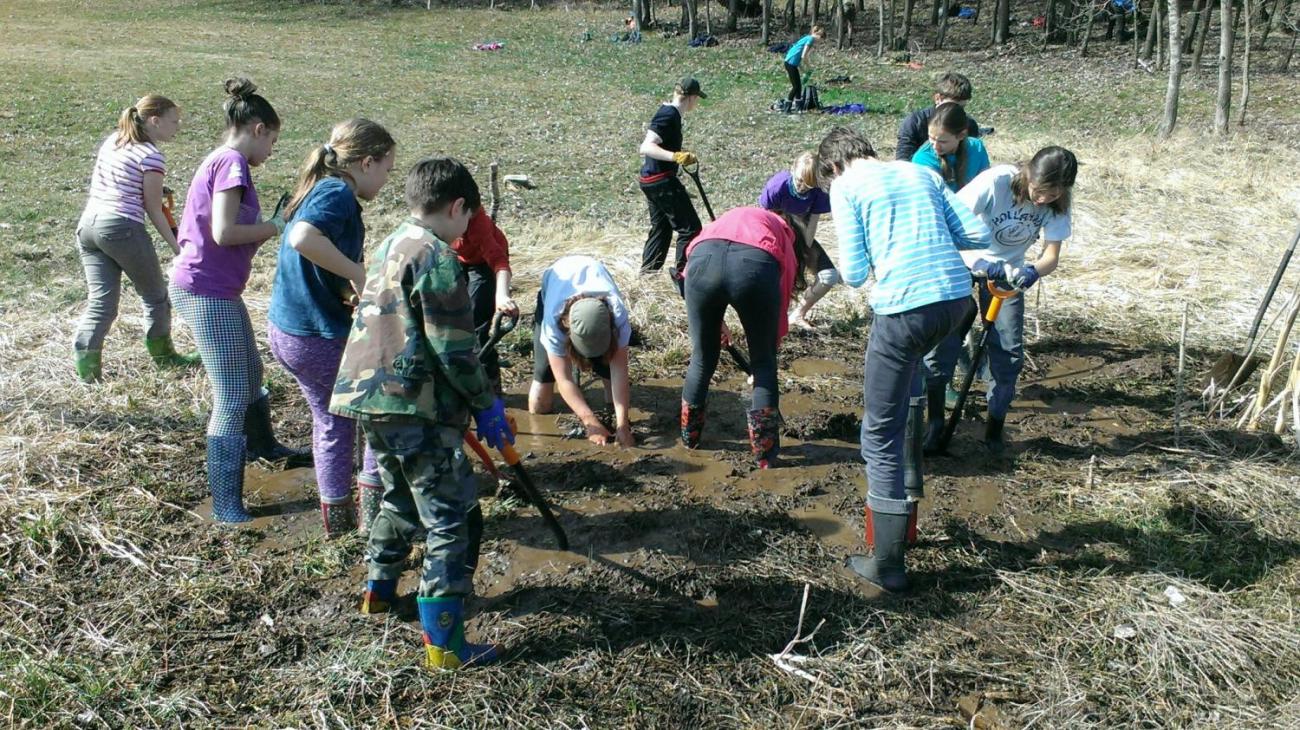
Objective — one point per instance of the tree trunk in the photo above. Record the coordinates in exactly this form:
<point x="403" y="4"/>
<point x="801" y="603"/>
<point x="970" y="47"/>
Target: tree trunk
<point x="838" y="14"/>
<point x="1137" y="6"/>
<point x="817" y="11"/>
<point x="1223" y="103"/>
<point x="731" y="16"/>
<point x="692" y="29"/>
<point x="708" y="16"/>
<point x="1245" y="64"/>
<point x="1087" y="31"/>
<point x="1175" y="71"/>
<point x="636" y="15"/>
<point x="1193" y="22"/>
<point x="1048" y="22"/>
<point x="789" y="14"/>
<point x="908" y="7"/>
<point x="1268" y="24"/>
<point x="943" y="26"/>
<point x="880" y="42"/>
<point x="934" y="12"/>
<point x="1159" y="16"/>
<point x="1205" y="32"/>
<point x="767" y="20"/>
<point x="1002" y="23"/>
<point x="1290" y="51"/>
<point x="1153" y="25"/>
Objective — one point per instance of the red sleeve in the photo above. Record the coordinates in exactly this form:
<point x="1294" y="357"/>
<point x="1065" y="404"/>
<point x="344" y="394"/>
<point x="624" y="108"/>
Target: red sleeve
<point x="498" y="257"/>
<point x="483" y="243"/>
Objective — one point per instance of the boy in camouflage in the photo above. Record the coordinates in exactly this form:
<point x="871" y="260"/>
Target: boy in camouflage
<point x="411" y="378"/>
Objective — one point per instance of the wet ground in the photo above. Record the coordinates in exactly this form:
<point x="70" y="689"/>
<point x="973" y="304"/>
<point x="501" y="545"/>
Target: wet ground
<point x="663" y="520"/>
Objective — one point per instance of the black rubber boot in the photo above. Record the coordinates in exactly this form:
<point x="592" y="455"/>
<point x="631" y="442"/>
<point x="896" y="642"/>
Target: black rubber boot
<point x="993" y="436"/>
<point x="261" y="439"/>
<point x="474" y="520"/>
<point x="913" y="461"/>
<point x="885" y="567"/>
<point x="934" y="403"/>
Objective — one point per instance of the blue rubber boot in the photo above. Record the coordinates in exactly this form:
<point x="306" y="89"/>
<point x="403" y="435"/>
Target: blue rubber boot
<point x="445" y="647"/>
<point x="379" y="596"/>
<point x="226" y="478"/>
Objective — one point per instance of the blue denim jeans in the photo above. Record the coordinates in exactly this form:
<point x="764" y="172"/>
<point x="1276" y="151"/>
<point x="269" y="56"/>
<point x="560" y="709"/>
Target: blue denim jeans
<point x="891" y="375"/>
<point x="1005" y="356"/>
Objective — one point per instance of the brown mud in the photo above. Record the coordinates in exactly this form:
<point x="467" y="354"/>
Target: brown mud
<point x="681" y="525"/>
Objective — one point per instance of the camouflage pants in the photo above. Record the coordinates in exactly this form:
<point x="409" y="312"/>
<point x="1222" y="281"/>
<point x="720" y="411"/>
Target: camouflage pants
<point x="429" y="491"/>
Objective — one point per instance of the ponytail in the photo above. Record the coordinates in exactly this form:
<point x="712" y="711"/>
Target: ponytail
<point x="802" y="249"/>
<point x="130" y="124"/>
<point x="244" y="106"/>
<point x="350" y="141"/>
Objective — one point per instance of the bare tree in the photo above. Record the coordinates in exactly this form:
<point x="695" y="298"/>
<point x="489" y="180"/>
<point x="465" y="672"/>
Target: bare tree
<point x="1223" y="102"/>
<point x="731" y="15"/>
<point x="1205" y="32"/>
<point x="767" y="21"/>
<point x="908" y="7"/>
<point x="1245" y="65"/>
<point x="688" y="7"/>
<point x="1002" y="22"/>
<point x="1175" y="71"/>
<point x="1153" y="29"/>
<point x="943" y="26"/>
<point x="880" y="41"/>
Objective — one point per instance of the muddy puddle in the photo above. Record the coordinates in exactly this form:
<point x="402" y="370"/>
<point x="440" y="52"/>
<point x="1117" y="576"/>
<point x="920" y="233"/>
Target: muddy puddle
<point x="663" y="510"/>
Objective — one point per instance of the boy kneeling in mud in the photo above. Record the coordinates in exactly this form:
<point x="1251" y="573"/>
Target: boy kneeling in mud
<point x="411" y="377"/>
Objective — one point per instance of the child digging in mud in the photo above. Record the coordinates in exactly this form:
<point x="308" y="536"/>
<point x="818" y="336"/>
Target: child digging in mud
<point x="1016" y="202"/>
<point x="410" y="375"/>
<point x="795" y="192"/>
<point x="751" y="260"/>
<point x="900" y="222"/>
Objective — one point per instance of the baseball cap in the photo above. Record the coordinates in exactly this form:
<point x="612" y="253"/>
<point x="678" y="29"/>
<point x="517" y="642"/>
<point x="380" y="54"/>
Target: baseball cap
<point x="691" y="87"/>
<point x="589" y="330"/>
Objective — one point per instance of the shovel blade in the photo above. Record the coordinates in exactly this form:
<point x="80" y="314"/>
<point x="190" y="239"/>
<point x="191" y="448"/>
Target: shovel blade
<point x="1225" y="369"/>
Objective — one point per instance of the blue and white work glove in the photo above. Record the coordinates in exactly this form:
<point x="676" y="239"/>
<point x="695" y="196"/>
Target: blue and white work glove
<point x="998" y="272"/>
<point x="1024" y="277"/>
<point x="493" y="429"/>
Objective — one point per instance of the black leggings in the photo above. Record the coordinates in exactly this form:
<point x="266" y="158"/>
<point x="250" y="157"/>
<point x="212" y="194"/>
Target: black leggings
<point x="721" y="273"/>
<point x="796" y="82"/>
<point x="482" y="284"/>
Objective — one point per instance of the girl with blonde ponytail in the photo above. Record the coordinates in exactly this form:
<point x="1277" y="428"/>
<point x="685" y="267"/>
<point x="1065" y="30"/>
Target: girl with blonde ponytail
<point x="126" y="192"/>
<point x="318" y="274"/>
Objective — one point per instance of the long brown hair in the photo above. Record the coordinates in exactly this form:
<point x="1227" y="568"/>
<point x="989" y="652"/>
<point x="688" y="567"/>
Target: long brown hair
<point x="950" y="117"/>
<point x="350" y="141"/>
<point x="803" y="257"/>
<point x="130" y="125"/>
<point x="1051" y="167"/>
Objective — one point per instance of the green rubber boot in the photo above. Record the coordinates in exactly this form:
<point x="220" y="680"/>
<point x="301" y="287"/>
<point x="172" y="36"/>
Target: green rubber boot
<point x="164" y="353"/>
<point x="89" y="364"/>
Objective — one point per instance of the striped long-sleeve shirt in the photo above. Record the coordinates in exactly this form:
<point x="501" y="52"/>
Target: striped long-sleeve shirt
<point x="117" y="184"/>
<point x="901" y="221"/>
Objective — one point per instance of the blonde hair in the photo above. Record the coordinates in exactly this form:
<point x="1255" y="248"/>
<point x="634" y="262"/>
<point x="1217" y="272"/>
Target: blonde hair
<point x="130" y="125"/>
<point x="804" y="172"/>
<point x="350" y="141"/>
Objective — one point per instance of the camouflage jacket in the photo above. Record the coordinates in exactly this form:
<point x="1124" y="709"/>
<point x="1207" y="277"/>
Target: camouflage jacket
<point x="411" y="352"/>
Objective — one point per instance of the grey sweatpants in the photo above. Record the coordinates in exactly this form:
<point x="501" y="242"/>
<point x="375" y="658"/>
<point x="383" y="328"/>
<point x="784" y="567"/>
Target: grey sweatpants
<point x="110" y="245"/>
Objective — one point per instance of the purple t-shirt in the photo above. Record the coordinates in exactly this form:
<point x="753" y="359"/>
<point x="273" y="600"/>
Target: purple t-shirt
<point x="779" y="195"/>
<point x="203" y="267"/>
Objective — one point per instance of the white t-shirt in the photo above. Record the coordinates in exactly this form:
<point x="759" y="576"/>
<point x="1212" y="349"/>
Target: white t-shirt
<point x="1015" y="227"/>
<point x="567" y="278"/>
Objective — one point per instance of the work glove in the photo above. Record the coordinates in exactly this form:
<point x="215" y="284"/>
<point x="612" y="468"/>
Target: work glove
<point x="998" y="272"/>
<point x="277" y="216"/>
<point x="685" y="158"/>
<point x="493" y="428"/>
<point x="1024" y="277"/>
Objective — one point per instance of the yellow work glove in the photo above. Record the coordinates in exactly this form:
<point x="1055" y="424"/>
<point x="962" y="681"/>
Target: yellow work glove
<point x="685" y="158"/>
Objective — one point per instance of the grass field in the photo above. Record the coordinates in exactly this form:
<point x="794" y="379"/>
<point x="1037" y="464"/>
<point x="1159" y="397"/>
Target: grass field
<point x="1113" y="573"/>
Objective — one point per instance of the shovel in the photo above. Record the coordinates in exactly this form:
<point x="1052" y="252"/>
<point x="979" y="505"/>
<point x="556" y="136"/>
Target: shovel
<point x="1231" y="368"/>
<point x="990" y="316"/>
<point x="169" y="205"/>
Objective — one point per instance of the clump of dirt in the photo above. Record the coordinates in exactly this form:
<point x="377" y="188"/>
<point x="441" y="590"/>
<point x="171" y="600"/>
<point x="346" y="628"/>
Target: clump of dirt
<point x="820" y="424"/>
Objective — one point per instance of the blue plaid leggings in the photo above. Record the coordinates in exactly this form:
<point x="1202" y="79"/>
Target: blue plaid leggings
<point x="224" y="334"/>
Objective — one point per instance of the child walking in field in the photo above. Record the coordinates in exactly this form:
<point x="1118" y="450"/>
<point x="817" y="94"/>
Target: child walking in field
<point x="950" y="150"/>
<point x="126" y="192"/>
<point x="913" y="132"/>
<point x="1016" y="202"/>
<point x="797" y="60"/>
<point x="751" y="260"/>
<point x="902" y="223"/>
<point x="318" y="274"/>
<point x="795" y="192"/>
<point x="411" y="377"/>
<point x="221" y="229"/>
<point x="670" y="207"/>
